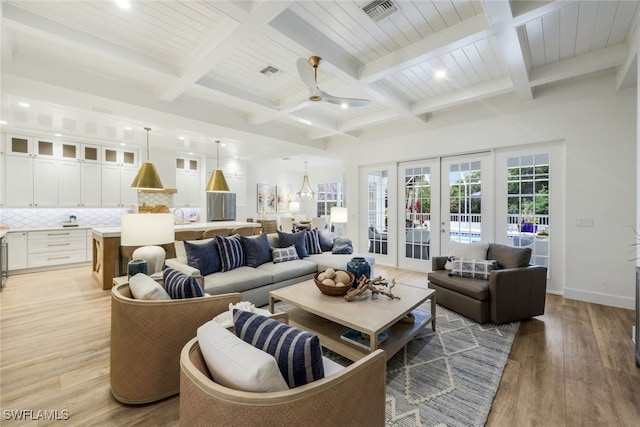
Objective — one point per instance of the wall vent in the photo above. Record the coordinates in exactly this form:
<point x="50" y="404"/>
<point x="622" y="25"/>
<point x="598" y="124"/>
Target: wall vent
<point x="380" y="9"/>
<point x="270" y="71"/>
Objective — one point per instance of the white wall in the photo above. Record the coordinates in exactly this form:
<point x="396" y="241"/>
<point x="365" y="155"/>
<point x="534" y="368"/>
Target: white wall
<point x="598" y="127"/>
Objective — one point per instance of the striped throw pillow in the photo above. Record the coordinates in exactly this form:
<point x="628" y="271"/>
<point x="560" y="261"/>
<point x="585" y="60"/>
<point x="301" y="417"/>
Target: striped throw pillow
<point x="178" y="285"/>
<point x="231" y="251"/>
<point x="297" y="352"/>
<point x="284" y="254"/>
<point x="312" y="241"/>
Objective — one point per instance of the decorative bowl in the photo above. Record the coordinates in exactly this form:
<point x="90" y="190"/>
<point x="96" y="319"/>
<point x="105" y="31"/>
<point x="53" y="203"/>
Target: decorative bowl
<point x="334" y="290"/>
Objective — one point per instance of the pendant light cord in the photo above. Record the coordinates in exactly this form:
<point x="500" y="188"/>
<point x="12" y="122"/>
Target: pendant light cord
<point x="147" y="129"/>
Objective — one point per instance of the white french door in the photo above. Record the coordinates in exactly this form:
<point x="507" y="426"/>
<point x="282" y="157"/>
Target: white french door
<point x="419" y="212"/>
<point x="467" y="208"/>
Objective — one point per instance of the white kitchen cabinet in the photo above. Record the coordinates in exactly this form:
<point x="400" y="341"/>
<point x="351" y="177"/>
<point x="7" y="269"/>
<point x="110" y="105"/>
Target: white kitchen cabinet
<point x="19" y="181"/>
<point x="55" y="247"/>
<point x="90" y="185"/>
<point x="120" y="156"/>
<point x="17" y="245"/>
<point x="116" y="186"/>
<point x="45" y="182"/>
<point x="19" y="145"/>
<point x="188" y="183"/>
<point x="90" y="153"/>
<point x="69" y="184"/>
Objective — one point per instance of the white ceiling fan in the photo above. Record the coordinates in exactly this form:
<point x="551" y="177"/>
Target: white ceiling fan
<point x="308" y="70"/>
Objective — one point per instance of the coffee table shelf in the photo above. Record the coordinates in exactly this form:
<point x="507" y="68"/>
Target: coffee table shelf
<point x="329" y="317"/>
<point x="329" y="333"/>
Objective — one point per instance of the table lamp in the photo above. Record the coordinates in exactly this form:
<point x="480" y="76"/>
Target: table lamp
<point x="147" y="230"/>
<point x="339" y="216"/>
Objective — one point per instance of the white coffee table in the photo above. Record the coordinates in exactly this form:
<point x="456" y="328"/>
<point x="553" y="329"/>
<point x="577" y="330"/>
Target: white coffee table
<point x="330" y="316"/>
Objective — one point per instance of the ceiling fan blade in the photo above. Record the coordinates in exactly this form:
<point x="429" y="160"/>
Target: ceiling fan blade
<point x="306" y="73"/>
<point x="349" y="102"/>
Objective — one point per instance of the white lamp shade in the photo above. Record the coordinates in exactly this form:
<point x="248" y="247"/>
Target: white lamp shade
<point x="339" y="215"/>
<point x="146" y="229"/>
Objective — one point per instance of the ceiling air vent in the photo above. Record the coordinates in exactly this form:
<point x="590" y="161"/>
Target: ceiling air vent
<point x="270" y="71"/>
<point x="380" y="9"/>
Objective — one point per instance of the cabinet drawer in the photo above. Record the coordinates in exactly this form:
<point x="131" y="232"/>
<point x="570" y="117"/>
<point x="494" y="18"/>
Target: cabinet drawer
<point x="57" y="245"/>
<point x="45" y="259"/>
<point x="56" y="234"/>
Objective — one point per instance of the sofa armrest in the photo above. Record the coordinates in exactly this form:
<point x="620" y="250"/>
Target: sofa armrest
<point x="517" y="293"/>
<point x="438" y="262"/>
<point x="186" y="269"/>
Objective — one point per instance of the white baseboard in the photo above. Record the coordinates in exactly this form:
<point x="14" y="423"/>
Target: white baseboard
<point x="600" y="298"/>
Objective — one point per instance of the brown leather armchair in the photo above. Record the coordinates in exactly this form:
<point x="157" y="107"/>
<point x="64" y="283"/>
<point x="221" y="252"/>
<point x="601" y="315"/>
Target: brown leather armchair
<point x="517" y="291"/>
<point x="146" y="340"/>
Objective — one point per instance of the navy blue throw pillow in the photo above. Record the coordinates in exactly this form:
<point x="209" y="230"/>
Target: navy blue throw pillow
<point x="297" y="352"/>
<point x="312" y="242"/>
<point x="256" y="249"/>
<point x="231" y="251"/>
<point x="296" y="239"/>
<point x="326" y="243"/>
<point x="178" y="285"/>
<point x="203" y="256"/>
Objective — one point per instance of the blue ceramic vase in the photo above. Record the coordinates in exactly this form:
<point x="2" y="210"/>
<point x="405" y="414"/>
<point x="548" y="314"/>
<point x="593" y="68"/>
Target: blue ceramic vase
<point x="359" y="266"/>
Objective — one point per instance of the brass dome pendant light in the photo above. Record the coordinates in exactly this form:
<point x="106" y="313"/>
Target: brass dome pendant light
<point x="217" y="182"/>
<point x="147" y="177"/>
<point x="306" y="193"/>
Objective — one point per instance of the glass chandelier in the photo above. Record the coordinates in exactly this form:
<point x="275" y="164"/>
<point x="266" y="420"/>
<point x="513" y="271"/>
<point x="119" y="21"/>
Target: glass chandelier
<point x="306" y="193"/>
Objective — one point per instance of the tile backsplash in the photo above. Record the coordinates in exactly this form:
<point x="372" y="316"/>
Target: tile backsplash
<point x="86" y="217"/>
<point x="42" y="218"/>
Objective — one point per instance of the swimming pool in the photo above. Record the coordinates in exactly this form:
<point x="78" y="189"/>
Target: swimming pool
<point x="464" y="237"/>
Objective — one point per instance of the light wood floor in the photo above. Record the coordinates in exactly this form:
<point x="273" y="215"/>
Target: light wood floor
<point x="574" y="366"/>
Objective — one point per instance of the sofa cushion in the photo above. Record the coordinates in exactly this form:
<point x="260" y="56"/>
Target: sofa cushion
<point x="475" y="268"/>
<point x="289" y="270"/>
<point x="284" y="254"/>
<point x="298" y="353"/>
<point x="144" y="287"/>
<point x="178" y="285"/>
<point x="203" y="256"/>
<point x="296" y="239"/>
<point x="326" y="242"/>
<point x="312" y="241"/>
<point x="508" y="256"/>
<point x="237" y="280"/>
<point x="477" y="250"/>
<point x="256" y="249"/>
<point x="235" y="363"/>
<point x="231" y="251"/>
<point x="181" y="253"/>
<point x="474" y="288"/>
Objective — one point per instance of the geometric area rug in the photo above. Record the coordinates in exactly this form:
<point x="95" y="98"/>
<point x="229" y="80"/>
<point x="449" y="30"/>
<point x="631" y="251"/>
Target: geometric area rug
<point x="446" y="378"/>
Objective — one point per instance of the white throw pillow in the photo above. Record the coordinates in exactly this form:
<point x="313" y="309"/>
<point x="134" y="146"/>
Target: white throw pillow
<point x="144" y="287"/>
<point x="476" y="250"/>
<point x="237" y="364"/>
<point x="225" y="319"/>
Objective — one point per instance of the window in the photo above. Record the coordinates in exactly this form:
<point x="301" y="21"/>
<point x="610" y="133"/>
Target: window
<point x="528" y="204"/>
<point x="328" y="195"/>
<point x="417" y="201"/>
<point x="377" y="213"/>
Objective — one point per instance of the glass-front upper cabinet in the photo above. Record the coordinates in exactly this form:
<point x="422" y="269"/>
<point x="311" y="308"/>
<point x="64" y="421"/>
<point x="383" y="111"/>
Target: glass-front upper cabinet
<point x="90" y="153"/>
<point x="120" y="156"/>
<point x="17" y="145"/>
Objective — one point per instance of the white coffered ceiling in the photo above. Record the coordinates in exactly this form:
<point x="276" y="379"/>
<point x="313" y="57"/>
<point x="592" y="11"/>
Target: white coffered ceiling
<point x="191" y="68"/>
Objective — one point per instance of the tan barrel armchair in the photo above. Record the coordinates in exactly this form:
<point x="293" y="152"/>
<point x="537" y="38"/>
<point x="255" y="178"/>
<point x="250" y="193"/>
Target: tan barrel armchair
<point x="146" y="340"/>
<point x="353" y="396"/>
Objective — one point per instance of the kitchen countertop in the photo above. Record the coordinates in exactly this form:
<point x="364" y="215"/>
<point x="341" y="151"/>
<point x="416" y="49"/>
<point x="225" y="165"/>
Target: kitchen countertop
<point x="197" y="226"/>
<point x="21" y="230"/>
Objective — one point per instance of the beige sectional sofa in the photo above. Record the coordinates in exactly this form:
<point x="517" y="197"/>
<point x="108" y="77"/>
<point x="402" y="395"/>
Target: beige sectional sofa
<point x="255" y="283"/>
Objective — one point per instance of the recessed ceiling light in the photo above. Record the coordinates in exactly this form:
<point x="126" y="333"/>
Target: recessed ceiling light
<point x="181" y="138"/>
<point x="306" y="122"/>
<point x="123" y="144"/>
<point x="344" y="105"/>
<point x="127" y="128"/>
<point x="23" y="104"/>
<point x="235" y="157"/>
<point x="190" y="153"/>
<point x="57" y="134"/>
<point x="2" y="122"/>
<point x="123" y="4"/>
<point x="223" y="145"/>
<point x="440" y="74"/>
